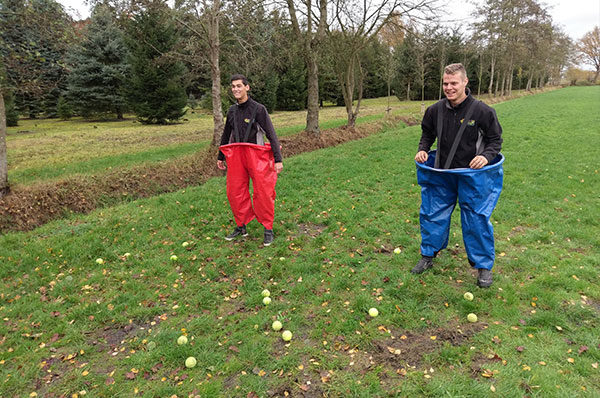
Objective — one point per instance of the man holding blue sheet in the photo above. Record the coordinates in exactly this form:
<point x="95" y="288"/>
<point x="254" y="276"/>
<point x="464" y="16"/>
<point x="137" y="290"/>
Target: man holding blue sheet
<point x="466" y="166"/>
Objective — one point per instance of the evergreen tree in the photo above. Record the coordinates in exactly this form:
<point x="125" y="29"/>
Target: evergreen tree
<point x="35" y="37"/>
<point x="64" y="109"/>
<point x="155" y="88"/>
<point x="99" y="67"/>
<point x="291" y="93"/>
<point x="12" y="115"/>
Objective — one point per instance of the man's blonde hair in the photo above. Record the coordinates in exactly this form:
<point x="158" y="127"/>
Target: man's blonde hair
<point x="455" y="68"/>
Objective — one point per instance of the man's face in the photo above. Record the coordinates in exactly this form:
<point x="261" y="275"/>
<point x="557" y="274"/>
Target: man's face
<point x="454" y="87"/>
<point x="240" y="90"/>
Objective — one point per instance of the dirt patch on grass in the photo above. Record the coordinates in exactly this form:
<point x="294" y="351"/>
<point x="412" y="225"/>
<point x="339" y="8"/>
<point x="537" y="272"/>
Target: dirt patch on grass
<point x="28" y="207"/>
<point x="312" y="230"/>
<point x="406" y="350"/>
<point x="413" y="346"/>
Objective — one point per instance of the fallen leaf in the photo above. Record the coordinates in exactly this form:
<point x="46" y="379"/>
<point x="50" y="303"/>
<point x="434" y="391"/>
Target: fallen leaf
<point x="558" y="328"/>
<point x="520" y="348"/>
<point x="109" y="381"/>
<point x="570" y="360"/>
<point x="487" y="373"/>
<point x="130" y="376"/>
<point x="583" y="349"/>
<point x="492" y="388"/>
<point x="304" y="387"/>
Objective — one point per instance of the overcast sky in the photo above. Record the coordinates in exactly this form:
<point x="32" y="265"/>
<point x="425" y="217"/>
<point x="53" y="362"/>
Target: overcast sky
<point x="576" y="17"/>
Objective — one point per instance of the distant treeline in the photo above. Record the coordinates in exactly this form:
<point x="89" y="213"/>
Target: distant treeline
<point x="147" y="58"/>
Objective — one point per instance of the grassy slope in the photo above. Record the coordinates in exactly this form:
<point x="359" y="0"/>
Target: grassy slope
<point x="50" y="149"/>
<point x="362" y="196"/>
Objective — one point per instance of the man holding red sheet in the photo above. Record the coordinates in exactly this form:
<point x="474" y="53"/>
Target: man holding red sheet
<point x="246" y="156"/>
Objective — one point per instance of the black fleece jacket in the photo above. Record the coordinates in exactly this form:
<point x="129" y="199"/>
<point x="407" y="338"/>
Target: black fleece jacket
<point x="482" y="122"/>
<point x="238" y="117"/>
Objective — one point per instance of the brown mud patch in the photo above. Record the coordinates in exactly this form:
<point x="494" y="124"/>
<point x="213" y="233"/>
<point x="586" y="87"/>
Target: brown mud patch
<point x="27" y="207"/>
<point x="405" y="352"/>
<point x="413" y="346"/>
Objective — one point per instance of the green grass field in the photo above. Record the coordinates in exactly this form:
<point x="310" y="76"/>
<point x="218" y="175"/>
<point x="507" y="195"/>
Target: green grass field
<point x="72" y="326"/>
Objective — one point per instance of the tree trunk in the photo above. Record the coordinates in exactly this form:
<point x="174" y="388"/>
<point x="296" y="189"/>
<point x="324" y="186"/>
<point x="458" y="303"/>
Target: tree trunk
<point x="215" y="72"/>
<point x="480" y="76"/>
<point x="408" y="91"/>
<point x="497" y="80"/>
<point x="529" y="81"/>
<point x="312" y="101"/>
<point x="3" y="158"/>
<point x="502" y="87"/>
<point x="119" y="113"/>
<point x="596" y="75"/>
<point x="491" y="85"/>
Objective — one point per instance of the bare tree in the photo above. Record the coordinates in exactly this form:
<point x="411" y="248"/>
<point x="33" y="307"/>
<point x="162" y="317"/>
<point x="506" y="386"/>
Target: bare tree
<point x="589" y="48"/>
<point x="309" y="22"/>
<point x="354" y="23"/>
<point x="202" y="19"/>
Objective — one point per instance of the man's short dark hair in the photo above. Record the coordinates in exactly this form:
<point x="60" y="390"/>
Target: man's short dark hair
<point x="238" y="76"/>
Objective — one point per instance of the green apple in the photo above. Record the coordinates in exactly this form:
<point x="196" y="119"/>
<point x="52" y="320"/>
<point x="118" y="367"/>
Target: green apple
<point x="397" y="250"/>
<point x="173" y="258"/>
<point x="151" y="345"/>
<point x="265" y="293"/>
<point x="267" y="300"/>
<point x="472" y="317"/>
<point x="99" y="261"/>
<point x="373" y="312"/>
<point x="185" y="244"/>
<point x="286" y="335"/>
<point x="127" y="255"/>
<point x="468" y="296"/>
<point x="190" y="362"/>
<point x="277" y="326"/>
<point x="182" y="340"/>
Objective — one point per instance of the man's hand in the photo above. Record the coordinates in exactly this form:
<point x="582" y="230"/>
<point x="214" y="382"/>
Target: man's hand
<point x="421" y="157"/>
<point x="221" y="164"/>
<point x="278" y="167"/>
<point x="478" y="162"/>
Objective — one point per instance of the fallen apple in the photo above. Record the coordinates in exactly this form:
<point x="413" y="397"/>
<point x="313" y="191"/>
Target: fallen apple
<point x="182" y="340"/>
<point x="286" y="335"/>
<point x="373" y="312"/>
<point x="190" y="362"/>
<point x="265" y="293"/>
<point x="173" y="258"/>
<point x="472" y="317"/>
<point x="99" y="261"/>
<point x="267" y="300"/>
<point x="277" y="326"/>
<point x="468" y="296"/>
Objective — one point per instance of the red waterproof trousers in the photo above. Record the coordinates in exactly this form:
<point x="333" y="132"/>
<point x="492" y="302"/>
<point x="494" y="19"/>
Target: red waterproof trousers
<point x="250" y="161"/>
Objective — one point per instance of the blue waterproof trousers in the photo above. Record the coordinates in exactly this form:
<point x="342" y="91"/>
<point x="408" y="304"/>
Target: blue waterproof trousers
<point x="477" y="192"/>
